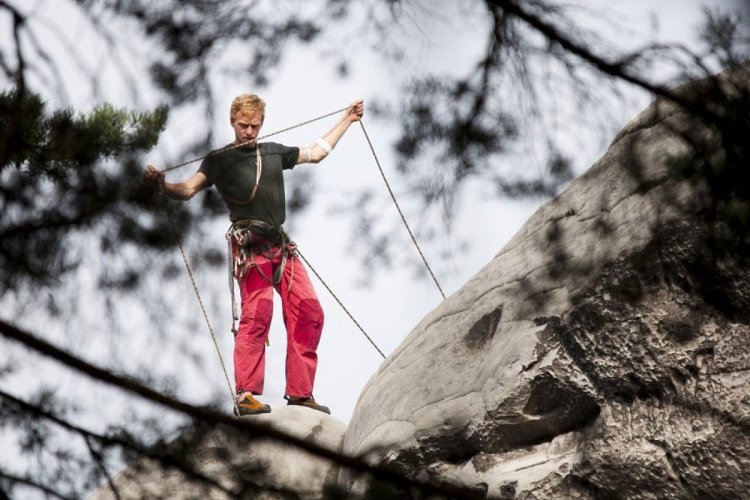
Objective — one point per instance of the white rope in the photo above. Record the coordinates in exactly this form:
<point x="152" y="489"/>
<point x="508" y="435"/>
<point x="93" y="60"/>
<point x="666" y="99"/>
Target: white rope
<point x="208" y="322"/>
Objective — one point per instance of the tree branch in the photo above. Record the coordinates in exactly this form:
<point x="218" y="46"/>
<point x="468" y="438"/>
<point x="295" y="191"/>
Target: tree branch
<point x="26" y="481"/>
<point x="111" y="441"/>
<point x="211" y="417"/>
<point x="616" y="70"/>
<point x="12" y="133"/>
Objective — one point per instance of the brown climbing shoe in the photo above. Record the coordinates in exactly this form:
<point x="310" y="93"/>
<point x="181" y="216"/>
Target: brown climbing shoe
<point x="248" y="405"/>
<point x="306" y="402"/>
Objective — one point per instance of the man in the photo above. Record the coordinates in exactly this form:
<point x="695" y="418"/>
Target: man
<point x="248" y="175"/>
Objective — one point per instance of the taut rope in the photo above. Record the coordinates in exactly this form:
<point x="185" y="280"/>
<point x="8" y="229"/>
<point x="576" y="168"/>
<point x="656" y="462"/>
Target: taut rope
<point x="233" y="146"/>
<point x="398" y="207"/>
<point x="340" y="303"/>
<point x="208" y="322"/>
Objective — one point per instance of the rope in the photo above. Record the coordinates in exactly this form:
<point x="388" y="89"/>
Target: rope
<point x="208" y="322"/>
<point x="233" y="146"/>
<point x="400" y="212"/>
<point x="340" y="303"/>
<point x="393" y="197"/>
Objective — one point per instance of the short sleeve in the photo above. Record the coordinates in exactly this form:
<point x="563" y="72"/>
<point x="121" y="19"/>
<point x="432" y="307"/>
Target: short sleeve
<point x="289" y="156"/>
<point x="205" y="169"/>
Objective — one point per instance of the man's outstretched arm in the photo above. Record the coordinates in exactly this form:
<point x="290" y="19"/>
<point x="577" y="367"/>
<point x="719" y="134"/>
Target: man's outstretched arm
<point x="177" y="191"/>
<point x="323" y="146"/>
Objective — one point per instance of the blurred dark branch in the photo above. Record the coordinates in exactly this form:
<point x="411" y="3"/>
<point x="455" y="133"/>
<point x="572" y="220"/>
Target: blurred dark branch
<point x="98" y="458"/>
<point x="211" y="417"/>
<point x="18" y="22"/>
<point x="491" y="59"/>
<point x="110" y="38"/>
<point x="26" y="481"/>
<point x="55" y="220"/>
<point x="13" y="131"/>
<point x="110" y="441"/>
<point x="617" y="70"/>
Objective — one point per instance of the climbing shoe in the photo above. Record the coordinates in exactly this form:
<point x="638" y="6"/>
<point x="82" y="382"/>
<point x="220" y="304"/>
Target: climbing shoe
<point x="306" y="402"/>
<point x="248" y="405"/>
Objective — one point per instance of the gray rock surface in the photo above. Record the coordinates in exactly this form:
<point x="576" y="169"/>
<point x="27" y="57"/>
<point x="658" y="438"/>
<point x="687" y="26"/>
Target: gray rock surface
<point x="603" y="352"/>
<point x="231" y="457"/>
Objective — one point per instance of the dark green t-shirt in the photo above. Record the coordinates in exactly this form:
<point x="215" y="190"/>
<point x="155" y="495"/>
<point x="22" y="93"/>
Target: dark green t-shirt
<point x="233" y="173"/>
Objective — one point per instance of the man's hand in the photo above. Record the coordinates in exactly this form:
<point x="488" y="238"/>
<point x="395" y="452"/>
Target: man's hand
<point x="154" y="178"/>
<point x="355" y="111"/>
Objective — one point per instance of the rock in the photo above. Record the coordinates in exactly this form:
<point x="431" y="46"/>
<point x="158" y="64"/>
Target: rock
<point x="230" y="457"/>
<point x="603" y="352"/>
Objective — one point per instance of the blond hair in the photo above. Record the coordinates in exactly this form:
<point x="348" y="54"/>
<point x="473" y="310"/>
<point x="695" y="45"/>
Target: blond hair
<point x="247" y="103"/>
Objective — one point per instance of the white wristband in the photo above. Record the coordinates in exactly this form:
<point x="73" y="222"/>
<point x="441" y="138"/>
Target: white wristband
<point x="325" y="145"/>
<point x="308" y="154"/>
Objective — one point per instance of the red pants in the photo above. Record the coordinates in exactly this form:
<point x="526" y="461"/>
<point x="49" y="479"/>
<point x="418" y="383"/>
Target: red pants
<point x="303" y="318"/>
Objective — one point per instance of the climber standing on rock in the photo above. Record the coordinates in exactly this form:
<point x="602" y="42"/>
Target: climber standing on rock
<point x="249" y="178"/>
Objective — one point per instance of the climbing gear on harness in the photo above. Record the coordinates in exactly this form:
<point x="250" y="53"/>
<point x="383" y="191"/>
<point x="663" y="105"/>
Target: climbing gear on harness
<point x="248" y="405"/>
<point x="307" y="403"/>
<point x="247" y="239"/>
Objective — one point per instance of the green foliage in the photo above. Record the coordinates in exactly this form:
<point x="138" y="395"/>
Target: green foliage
<point x="54" y="182"/>
<point x="52" y="144"/>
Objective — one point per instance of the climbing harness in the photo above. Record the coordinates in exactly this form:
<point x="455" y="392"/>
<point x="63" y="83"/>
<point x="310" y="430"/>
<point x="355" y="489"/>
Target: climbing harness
<point x="245" y="240"/>
<point x="248" y="238"/>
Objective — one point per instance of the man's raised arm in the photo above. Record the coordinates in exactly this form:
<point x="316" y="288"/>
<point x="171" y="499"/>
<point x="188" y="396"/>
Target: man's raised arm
<point x="323" y="146"/>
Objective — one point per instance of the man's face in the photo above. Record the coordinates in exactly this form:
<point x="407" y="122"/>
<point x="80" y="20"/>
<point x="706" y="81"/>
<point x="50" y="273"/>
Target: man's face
<point x="246" y="127"/>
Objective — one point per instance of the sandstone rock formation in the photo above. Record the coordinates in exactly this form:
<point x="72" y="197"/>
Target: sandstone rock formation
<point x="230" y="457"/>
<point x="603" y="353"/>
